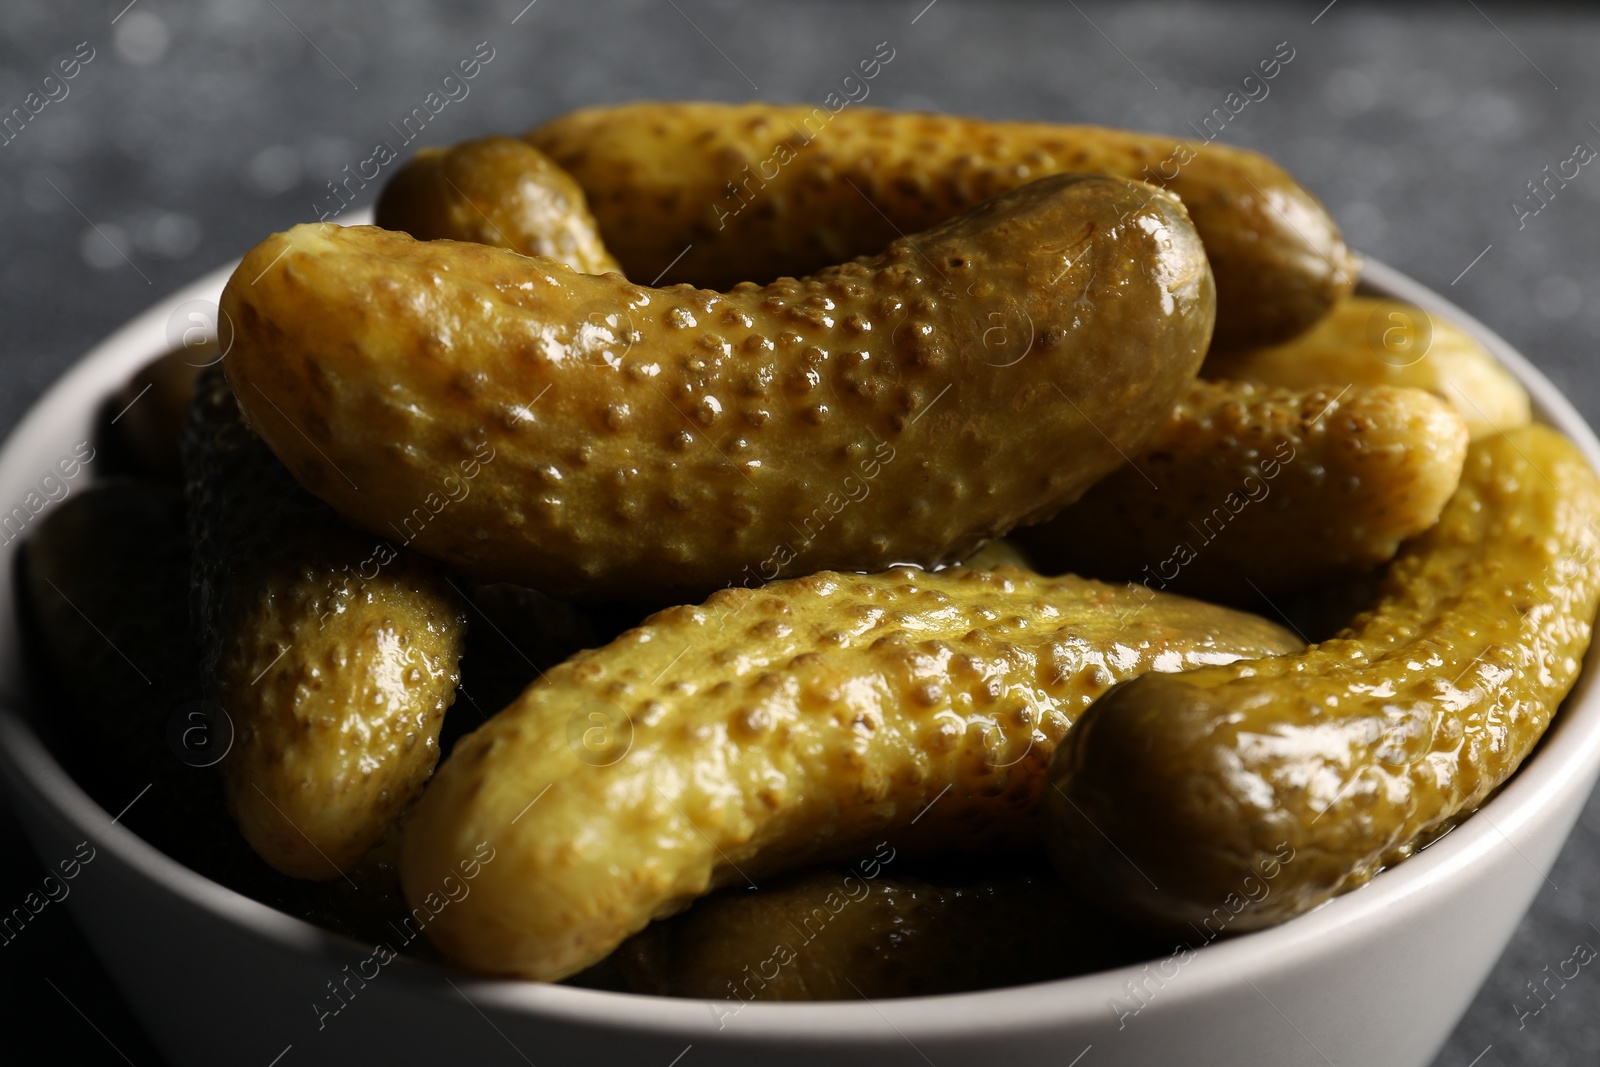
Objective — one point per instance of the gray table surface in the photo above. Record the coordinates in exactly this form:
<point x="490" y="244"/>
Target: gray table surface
<point x="197" y="128"/>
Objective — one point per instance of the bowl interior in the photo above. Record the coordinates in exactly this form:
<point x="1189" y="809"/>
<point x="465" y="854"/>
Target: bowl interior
<point x="1567" y="761"/>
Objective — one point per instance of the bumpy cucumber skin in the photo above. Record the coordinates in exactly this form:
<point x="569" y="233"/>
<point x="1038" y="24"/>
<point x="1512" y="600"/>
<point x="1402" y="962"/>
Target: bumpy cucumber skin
<point x="118" y="552"/>
<point x="1371" y="341"/>
<point x="1178" y="799"/>
<point x="1250" y="491"/>
<point x="902" y="409"/>
<point x="770" y="729"/>
<point x="844" y="934"/>
<point x="495" y="191"/>
<point x="336" y="680"/>
<point x="755" y="191"/>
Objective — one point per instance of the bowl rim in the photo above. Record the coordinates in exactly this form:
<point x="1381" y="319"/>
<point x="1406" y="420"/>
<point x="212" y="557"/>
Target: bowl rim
<point x="1569" y="759"/>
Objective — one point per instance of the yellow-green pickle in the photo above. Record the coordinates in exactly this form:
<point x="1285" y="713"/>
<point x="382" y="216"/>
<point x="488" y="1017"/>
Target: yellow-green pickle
<point x="334" y="653"/>
<point x="1250" y="491"/>
<point x="760" y="190"/>
<point x="769" y="729"/>
<point x="853" y="932"/>
<point x="1367" y="341"/>
<point x="107" y="578"/>
<point x="826" y="633"/>
<point x="1323" y="767"/>
<point x="594" y="438"/>
<point x="487" y="190"/>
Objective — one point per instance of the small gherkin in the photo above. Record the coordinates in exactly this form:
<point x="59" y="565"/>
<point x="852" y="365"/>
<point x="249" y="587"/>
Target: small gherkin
<point x="334" y="653"/>
<point x="1253" y="792"/>
<point x="590" y="437"/>
<point x="766" y="730"/>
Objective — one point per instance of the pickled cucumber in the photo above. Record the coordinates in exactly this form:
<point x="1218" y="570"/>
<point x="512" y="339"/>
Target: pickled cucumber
<point x="334" y="653"/>
<point x="1174" y="794"/>
<point x="495" y="191"/>
<point x="685" y="440"/>
<point x="1375" y="341"/>
<point x="848" y="933"/>
<point x="1250" y="491"/>
<point x="715" y="194"/>
<point x="771" y="729"/>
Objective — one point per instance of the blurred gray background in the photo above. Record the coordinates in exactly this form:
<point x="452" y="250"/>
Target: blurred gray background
<point x="198" y="128"/>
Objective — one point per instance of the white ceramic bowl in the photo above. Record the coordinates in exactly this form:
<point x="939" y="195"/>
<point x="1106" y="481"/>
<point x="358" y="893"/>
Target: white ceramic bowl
<point x="1377" y="978"/>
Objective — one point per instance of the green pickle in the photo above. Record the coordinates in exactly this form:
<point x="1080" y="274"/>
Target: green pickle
<point x="772" y="729"/>
<point x="334" y="653"/>
<point x="1304" y="775"/>
<point x="262" y="663"/>
<point x="106" y="580"/>
<point x="844" y="934"/>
